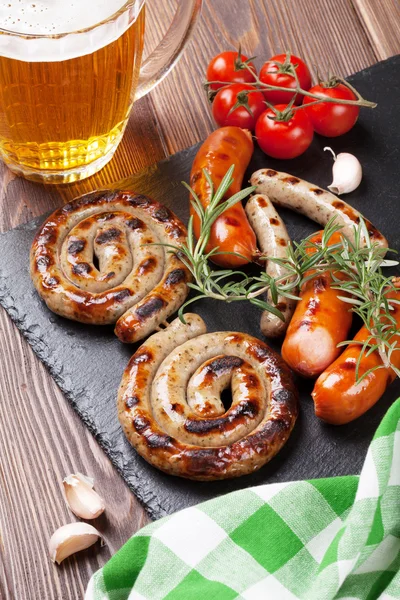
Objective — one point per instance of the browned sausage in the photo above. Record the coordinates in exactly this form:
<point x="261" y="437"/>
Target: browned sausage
<point x="313" y="202"/>
<point x="273" y="240"/>
<point x="337" y="397"/>
<point x="170" y="409"/>
<point x="321" y="320"/>
<point x="134" y="283"/>
<point x="231" y="232"/>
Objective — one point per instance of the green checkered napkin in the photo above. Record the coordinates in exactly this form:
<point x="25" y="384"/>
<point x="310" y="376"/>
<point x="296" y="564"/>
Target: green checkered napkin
<point x="314" y="540"/>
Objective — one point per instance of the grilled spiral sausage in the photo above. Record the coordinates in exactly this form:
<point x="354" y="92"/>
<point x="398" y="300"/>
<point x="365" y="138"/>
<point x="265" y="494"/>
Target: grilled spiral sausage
<point x="169" y="402"/>
<point x="313" y="202"/>
<point x="273" y="240"/>
<point x="135" y="284"/>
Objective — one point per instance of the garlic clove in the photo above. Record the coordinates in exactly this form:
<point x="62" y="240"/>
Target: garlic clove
<point x="81" y="497"/>
<point x="347" y="173"/>
<point x="72" y="538"/>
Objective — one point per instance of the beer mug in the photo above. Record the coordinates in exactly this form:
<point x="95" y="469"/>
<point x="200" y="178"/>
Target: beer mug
<point x="69" y="73"/>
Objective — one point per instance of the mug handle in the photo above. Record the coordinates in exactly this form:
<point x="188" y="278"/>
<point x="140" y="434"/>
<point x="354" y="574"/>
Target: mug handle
<point x="160" y="62"/>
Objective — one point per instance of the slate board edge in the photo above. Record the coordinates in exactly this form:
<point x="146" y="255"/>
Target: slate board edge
<point x="152" y="507"/>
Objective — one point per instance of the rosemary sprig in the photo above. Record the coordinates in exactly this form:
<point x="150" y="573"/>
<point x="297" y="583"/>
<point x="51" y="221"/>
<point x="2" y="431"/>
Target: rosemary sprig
<point x="364" y="286"/>
<point x="226" y="285"/>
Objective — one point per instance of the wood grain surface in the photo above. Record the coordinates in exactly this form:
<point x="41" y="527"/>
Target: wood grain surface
<point x="41" y="439"/>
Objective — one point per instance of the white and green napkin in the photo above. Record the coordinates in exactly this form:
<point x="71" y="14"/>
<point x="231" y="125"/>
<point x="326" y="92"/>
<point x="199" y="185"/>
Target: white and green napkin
<point x="322" y="539"/>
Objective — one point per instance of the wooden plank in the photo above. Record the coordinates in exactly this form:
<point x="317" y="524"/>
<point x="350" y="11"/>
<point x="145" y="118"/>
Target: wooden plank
<point x="42" y="441"/>
<point x="41" y="438"/>
<point x="381" y="23"/>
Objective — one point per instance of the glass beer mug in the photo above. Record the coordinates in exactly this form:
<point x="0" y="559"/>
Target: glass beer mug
<point x="69" y="73"/>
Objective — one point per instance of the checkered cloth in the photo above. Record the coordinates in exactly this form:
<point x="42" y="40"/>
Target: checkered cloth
<point x="315" y="540"/>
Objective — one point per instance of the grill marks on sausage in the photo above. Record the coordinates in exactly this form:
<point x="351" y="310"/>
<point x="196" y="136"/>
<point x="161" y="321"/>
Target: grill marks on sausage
<point x="43" y="262"/>
<point x="162" y="214"/>
<point x="195" y="177"/>
<point x="281" y="306"/>
<point x="107" y="217"/>
<point x="122" y="295"/>
<point x="284" y="396"/>
<point x="110" y="235"/>
<point x="140" y="357"/>
<point x="231" y="141"/>
<point x="261" y="353"/>
<point x="372" y="231"/>
<point x="135" y="224"/>
<point x="176" y="231"/>
<point x="153" y="439"/>
<point x="346" y="210"/>
<point x="291" y="180"/>
<point x="81" y="268"/>
<point x="313" y="306"/>
<point x="231" y="221"/>
<point x="271" y="173"/>
<point x="223" y="364"/>
<point x="158" y="441"/>
<point x="138" y="200"/>
<point x="317" y="191"/>
<point x="140" y="424"/>
<point x="76" y="246"/>
<point x="48" y="236"/>
<point x="131" y="401"/>
<point x="246" y="409"/>
<point x="262" y="203"/>
<point x="51" y="282"/>
<point x="149" y="308"/>
<point x="319" y="285"/>
<point x="305" y="324"/>
<point x="272" y="220"/>
<point x="175" y="277"/>
<point x="348" y="365"/>
<point x="147" y="266"/>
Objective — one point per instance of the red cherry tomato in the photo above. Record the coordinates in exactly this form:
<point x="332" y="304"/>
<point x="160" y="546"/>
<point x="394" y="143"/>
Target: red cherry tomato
<point x="226" y="67"/>
<point x="331" y="119"/>
<point x="250" y="106"/>
<point x="284" y="139"/>
<point x="272" y="74"/>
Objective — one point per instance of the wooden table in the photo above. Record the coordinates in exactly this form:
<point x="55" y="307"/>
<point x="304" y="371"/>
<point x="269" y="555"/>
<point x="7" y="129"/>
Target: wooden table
<point x="41" y="438"/>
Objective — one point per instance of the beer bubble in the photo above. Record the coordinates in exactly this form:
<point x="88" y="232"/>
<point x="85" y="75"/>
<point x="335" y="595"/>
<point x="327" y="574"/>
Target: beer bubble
<point x="57" y="17"/>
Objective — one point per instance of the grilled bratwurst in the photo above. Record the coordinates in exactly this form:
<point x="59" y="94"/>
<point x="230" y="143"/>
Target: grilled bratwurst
<point x="169" y="402"/>
<point x="134" y="283"/>
<point x="313" y="202"/>
<point x="273" y="240"/>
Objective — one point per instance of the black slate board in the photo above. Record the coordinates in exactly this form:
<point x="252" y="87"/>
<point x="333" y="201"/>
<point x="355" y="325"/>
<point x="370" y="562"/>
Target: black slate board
<point x="87" y="362"/>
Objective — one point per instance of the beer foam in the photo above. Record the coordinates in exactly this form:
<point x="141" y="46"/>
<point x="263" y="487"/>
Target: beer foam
<point x="61" y="18"/>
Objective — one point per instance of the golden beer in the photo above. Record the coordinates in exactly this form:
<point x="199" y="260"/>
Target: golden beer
<point x="61" y="120"/>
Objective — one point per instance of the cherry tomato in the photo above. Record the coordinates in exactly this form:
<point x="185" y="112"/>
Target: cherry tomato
<point x="330" y="119"/>
<point x="273" y="74"/>
<point x="250" y="106"/>
<point x="226" y="67"/>
<point x="284" y="139"/>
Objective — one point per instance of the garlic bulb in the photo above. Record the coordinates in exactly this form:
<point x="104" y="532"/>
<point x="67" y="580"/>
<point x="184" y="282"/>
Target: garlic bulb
<point x="71" y="538"/>
<point x="347" y="173"/>
<point x="81" y="497"/>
